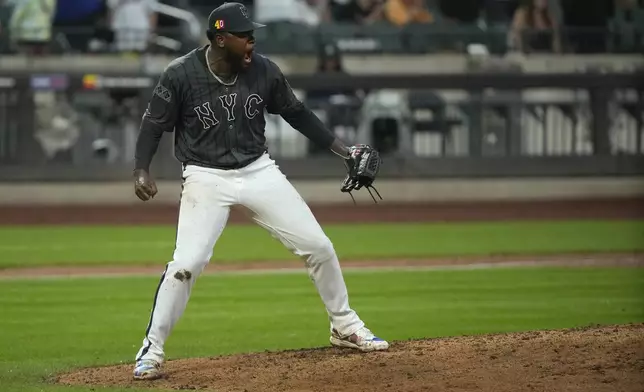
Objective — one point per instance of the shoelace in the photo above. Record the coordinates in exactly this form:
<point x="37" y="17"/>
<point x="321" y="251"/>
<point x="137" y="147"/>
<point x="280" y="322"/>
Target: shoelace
<point x="366" y="333"/>
<point x="369" y="188"/>
<point x="371" y="194"/>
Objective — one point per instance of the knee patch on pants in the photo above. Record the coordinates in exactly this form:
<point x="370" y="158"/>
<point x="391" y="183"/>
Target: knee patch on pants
<point x="186" y="268"/>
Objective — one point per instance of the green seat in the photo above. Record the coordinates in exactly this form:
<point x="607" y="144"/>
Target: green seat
<point x="387" y="36"/>
<point x="420" y="38"/>
<point x="334" y="32"/>
<point x="267" y="39"/>
<point x="496" y="38"/>
<point x="460" y="36"/>
<point x="286" y="38"/>
<point x="638" y="21"/>
<point x="627" y="30"/>
<point x="622" y="36"/>
<point x="443" y="37"/>
<point x="303" y="39"/>
<point x="354" y="38"/>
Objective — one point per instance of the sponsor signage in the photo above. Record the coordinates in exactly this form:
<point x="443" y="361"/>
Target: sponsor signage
<point x="49" y="82"/>
<point x="97" y="82"/>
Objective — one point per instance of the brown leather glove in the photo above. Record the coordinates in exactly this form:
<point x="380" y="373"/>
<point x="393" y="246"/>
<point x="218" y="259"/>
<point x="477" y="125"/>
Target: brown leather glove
<point x="144" y="185"/>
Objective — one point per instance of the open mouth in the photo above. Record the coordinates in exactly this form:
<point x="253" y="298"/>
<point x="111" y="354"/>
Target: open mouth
<point x="248" y="57"/>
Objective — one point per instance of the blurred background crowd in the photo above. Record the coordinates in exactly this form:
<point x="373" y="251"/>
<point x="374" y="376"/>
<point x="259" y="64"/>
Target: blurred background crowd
<point x="572" y="26"/>
<point x="87" y="67"/>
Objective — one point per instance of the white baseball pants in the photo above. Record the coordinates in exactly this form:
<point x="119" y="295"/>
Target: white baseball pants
<point x="275" y="204"/>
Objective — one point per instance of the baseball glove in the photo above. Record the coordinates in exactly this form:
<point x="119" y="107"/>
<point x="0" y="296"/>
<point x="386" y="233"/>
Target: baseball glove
<point x="363" y="165"/>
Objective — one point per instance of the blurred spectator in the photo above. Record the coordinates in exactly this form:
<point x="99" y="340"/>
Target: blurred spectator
<point x="307" y="12"/>
<point x="587" y="24"/>
<point x="462" y="11"/>
<point x="5" y="15"/>
<point x="629" y="4"/>
<point x="356" y="11"/>
<point x="133" y="22"/>
<point x="75" y="11"/>
<point x="329" y="61"/>
<point x="500" y="12"/>
<point x="535" y="28"/>
<point x="81" y="21"/>
<point x="31" y="25"/>
<point x="402" y="12"/>
<point x="337" y="107"/>
<point x="206" y="6"/>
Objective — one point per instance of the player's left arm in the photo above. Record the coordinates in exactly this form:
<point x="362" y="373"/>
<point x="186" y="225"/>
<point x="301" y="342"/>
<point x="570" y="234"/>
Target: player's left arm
<point x="362" y="161"/>
<point x="299" y="116"/>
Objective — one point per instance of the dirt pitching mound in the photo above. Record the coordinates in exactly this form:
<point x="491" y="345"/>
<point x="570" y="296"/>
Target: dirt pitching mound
<point x="609" y="358"/>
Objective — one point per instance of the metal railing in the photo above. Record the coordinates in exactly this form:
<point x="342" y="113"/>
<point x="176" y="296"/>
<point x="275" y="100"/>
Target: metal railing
<point x="84" y="127"/>
<point x="194" y="26"/>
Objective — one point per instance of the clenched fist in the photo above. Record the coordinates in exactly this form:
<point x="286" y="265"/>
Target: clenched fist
<point x="144" y="185"/>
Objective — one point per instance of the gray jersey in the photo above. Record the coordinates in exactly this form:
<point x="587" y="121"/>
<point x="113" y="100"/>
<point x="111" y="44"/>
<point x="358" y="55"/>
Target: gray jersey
<point x="219" y="125"/>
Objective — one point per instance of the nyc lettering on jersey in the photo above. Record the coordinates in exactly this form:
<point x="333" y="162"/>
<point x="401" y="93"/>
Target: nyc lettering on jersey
<point x="228" y="102"/>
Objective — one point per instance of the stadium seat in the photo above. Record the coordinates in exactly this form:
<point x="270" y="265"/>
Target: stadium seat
<point x="462" y="35"/>
<point x="385" y="122"/>
<point x="627" y="31"/>
<point x="303" y="39"/>
<point x="340" y="114"/>
<point x="496" y="38"/>
<point x="421" y="38"/>
<point x="333" y="32"/>
<point x="621" y="33"/>
<point x="354" y="38"/>
<point x="5" y="16"/>
<point x="638" y="22"/>
<point x="286" y="38"/>
<point x="388" y="37"/>
<point x="428" y="116"/>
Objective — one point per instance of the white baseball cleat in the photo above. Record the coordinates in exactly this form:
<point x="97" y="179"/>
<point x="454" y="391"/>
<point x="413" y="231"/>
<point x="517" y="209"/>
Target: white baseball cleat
<point x="363" y="340"/>
<point x="147" y="369"/>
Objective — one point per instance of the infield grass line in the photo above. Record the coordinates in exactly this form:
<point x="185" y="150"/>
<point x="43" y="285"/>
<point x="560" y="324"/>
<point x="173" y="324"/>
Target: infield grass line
<point x="29" y="246"/>
<point x="302" y="270"/>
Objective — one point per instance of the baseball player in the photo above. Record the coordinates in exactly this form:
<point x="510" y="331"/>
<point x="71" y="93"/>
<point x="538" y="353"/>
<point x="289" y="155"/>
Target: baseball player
<point x="214" y="99"/>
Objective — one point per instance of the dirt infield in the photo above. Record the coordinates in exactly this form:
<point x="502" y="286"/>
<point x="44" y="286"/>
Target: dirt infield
<point x="609" y="358"/>
<point x="427" y="212"/>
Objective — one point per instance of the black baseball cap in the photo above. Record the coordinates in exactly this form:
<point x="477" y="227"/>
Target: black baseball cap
<point x="231" y="17"/>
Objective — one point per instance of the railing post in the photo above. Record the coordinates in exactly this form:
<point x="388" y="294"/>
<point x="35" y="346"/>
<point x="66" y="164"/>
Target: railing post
<point x="29" y="152"/>
<point x="514" y="132"/>
<point x="475" y="137"/>
<point x="639" y="120"/>
<point x="599" y="100"/>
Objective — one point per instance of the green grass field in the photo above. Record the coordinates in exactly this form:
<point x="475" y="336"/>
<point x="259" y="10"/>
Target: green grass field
<point x="49" y="325"/>
<point x="52" y="325"/>
<point x="38" y="246"/>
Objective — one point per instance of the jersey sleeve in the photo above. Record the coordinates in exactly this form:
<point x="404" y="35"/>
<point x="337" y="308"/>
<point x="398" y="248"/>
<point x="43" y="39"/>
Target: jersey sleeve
<point x="284" y="103"/>
<point x="159" y="117"/>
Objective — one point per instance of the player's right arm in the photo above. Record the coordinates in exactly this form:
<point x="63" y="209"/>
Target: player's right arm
<point x="159" y="117"/>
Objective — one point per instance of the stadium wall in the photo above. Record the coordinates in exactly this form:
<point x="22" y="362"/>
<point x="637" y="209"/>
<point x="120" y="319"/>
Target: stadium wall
<point x="327" y="191"/>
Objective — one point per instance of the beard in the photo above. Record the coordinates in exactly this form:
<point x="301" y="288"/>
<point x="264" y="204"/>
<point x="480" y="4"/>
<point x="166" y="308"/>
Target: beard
<point x="235" y="60"/>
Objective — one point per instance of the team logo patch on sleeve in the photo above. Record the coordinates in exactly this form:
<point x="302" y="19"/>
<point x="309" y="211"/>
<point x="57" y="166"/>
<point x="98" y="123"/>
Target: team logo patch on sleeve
<point x="163" y="93"/>
<point x="219" y="24"/>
